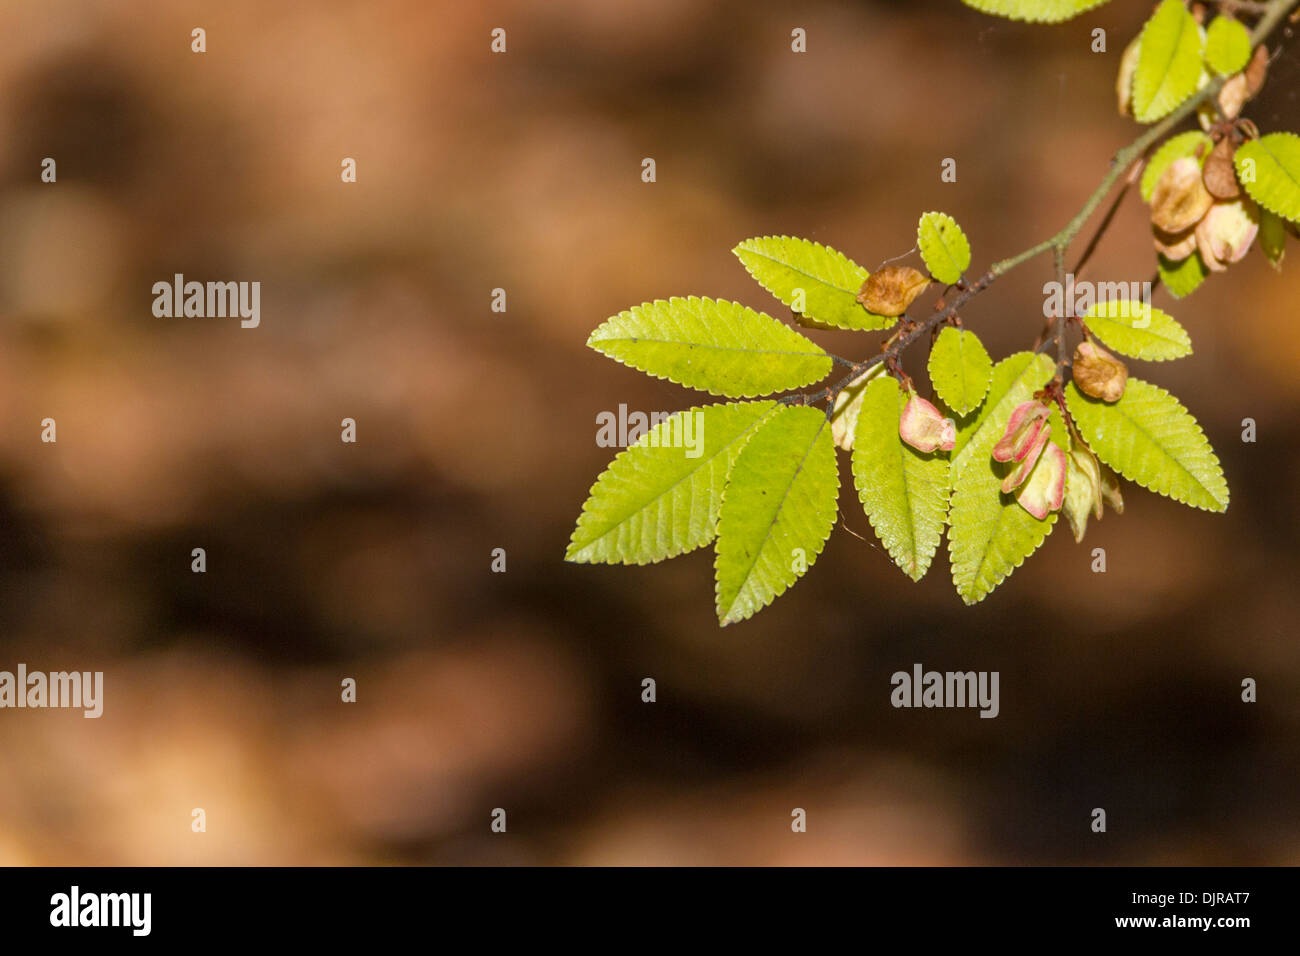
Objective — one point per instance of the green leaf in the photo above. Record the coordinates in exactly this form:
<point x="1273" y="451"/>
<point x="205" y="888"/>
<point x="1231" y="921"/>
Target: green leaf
<point x="1137" y="330"/>
<point x="1175" y="147"/>
<point x="1148" y="437"/>
<point x="660" y="497"/>
<point x="830" y="280"/>
<point x="943" y="247"/>
<point x="904" y="493"/>
<point x="1034" y="11"/>
<point x="960" y="369"/>
<point x="1227" y="46"/>
<point x="720" y="347"/>
<point x="1182" y="278"/>
<point x="1169" y="64"/>
<point x="990" y="534"/>
<point x="1269" y="169"/>
<point x="777" y="511"/>
<point x="1014" y="380"/>
<point x="1272" y="237"/>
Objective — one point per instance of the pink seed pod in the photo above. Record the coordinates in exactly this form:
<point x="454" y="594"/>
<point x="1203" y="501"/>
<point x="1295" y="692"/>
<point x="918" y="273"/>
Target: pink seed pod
<point x="1045" y="490"/>
<point x="1017" y="441"/>
<point x="923" y="427"/>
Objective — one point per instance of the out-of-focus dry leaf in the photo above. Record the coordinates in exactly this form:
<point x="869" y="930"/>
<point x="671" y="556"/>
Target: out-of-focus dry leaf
<point x="1256" y="71"/>
<point x="1233" y="96"/>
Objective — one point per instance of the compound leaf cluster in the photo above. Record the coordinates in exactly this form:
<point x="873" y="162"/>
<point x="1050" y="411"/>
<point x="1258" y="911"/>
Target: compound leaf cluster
<point x="759" y="479"/>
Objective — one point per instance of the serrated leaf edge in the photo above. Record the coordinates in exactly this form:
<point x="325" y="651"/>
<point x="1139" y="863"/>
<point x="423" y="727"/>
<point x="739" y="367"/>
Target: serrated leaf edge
<point x="811" y="557"/>
<point x="1185" y="342"/>
<point x="1072" y="390"/>
<point x="919" y="568"/>
<point x="988" y="379"/>
<point x="1184" y="22"/>
<point x="818" y="352"/>
<point x="743" y="437"/>
<point x="933" y="219"/>
<point x="1255" y="183"/>
<point x="1049" y="521"/>
<point x="871" y="318"/>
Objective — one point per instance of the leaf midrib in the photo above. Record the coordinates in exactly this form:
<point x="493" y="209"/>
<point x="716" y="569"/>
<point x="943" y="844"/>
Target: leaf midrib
<point x="687" y="476"/>
<point x="1003" y="510"/>
<point x="785" y="265"/>
<point x="1280" y="165"/>
<point x="915" y="548"/>
<point x="1170" y="339"/>
<point x="938" y="234"/>
<point x="1160" y="448"/>
<point x="1168" y="66"/>
<point x="720" y="348"/>
<point x="767" y="533"/>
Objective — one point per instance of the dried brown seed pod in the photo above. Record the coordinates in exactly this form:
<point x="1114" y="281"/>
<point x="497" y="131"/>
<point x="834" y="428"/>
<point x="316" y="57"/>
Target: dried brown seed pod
<point x="1098" y="373"/>
<point x="1256" y="71"/>
<point x="1225" y="234"/>
<point x="1233" y="96"/>
<point x="1128" y="64"/>
<point x="1180" y="198"/>
<point x="1175" y="248"/>
<point x="892" y="289"/>
<point x="1219" y="174"/>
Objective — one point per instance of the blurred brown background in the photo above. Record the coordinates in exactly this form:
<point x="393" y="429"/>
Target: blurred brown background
<point x="477" y="430"/>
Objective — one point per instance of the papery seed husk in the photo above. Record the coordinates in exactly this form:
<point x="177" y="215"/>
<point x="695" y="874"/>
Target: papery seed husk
<point x="1128" y="64"/>
<point x="1219" y="174"/>
<point x="1098" y="373"/>
<point x="925" y="428"/>
<point x="848" y="406"/>
<point x="1227" y="231"/>
<point x="1020" y="431"/>
<point x="892" y="289"/>
<point x="1082" y="488"/>
<point x="1175" y="248"/>
<point x="1110" y="492"/>
<point x="1180" y="198"/>
<point x="1256" y="71"/>
<point x="1016" y="477"/>
<point x="1207" y="252"/>
<point x="1044" y="492"/>
<point x="1087" y="462"/>
<point x="1233" y="96"/>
